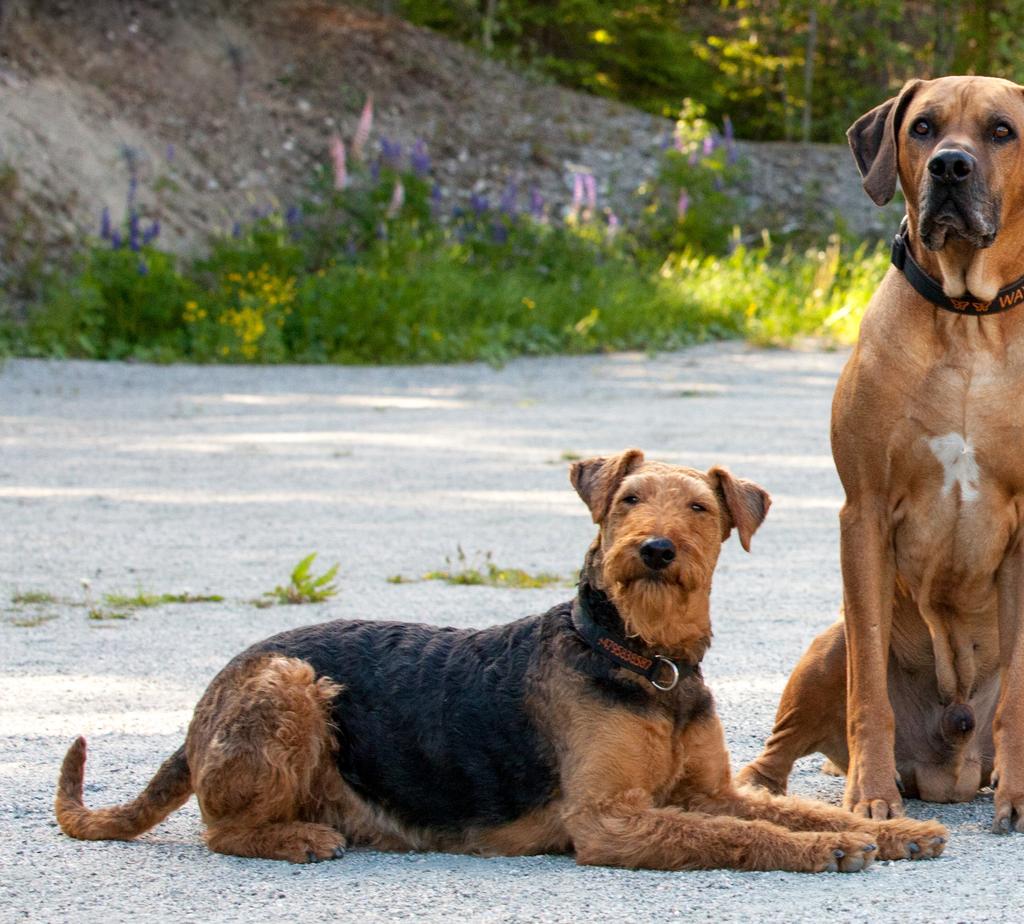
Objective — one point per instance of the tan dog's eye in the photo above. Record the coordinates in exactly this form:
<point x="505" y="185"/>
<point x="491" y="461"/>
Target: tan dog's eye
<point x="630" y="500"/>
<point x="700" y="508"/>
<point x="922" y="127"/>
<point x="1002" y="131"/>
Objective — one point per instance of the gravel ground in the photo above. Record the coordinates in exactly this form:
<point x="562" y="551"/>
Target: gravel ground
<point x="119" y="478"/>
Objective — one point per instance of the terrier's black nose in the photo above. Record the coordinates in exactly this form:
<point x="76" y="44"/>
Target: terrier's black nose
<point x="951" y="166"/>
<point x="657" y="553"/>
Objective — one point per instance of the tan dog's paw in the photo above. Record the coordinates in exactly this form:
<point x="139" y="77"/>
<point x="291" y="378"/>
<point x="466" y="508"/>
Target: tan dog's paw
<point x="871" y="798"/>
<point x="840" y="851"/>
<point x="909" y="839"/>
<point x="1009" y="805"/>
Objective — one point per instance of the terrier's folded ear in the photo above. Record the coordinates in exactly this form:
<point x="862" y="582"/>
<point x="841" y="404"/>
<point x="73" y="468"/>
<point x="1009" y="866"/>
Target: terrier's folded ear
<point x="744" y="504"/>
<point x="596" y="480"/>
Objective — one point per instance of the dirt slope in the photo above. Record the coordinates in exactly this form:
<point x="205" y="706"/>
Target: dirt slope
<point x="227" y="107"/>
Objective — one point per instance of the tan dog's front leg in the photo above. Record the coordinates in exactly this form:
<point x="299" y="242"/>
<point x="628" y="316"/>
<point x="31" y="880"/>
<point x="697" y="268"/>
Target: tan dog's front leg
<point x="1008" y="725"/>
<point x="868" y="590"/>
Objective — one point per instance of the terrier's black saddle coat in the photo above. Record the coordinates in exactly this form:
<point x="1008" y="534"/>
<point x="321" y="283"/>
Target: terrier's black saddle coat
<point x="437" y="725"/>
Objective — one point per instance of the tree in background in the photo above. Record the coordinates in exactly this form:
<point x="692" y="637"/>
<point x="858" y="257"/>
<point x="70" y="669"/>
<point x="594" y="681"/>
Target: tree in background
<point x="783" y="69"/>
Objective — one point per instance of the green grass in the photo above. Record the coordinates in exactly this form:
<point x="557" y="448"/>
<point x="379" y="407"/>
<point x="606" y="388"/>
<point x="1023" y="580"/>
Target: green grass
<point x="30" y="622"/>
<point x="492" y="575"/>
<point x="485" y="574"/>
<point x="32" y="597"/>
<point x="98" y="614"/>
<point x="141" y="599"/>
<point x="349" y="276"/>
<point x="304" y="587"/>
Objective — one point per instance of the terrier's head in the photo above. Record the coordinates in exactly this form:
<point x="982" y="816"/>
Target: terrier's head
<point x="660" y="531"/>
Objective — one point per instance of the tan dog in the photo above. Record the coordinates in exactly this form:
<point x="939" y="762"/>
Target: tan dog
<point x="926" y="684"/>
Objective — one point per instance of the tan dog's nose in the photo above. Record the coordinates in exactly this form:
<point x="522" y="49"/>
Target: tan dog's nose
<point x="951" y="166"/>
<point x="657" y="553"/>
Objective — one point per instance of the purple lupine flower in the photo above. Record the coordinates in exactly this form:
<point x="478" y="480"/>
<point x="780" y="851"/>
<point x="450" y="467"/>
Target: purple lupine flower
<point x="435" y="195"/>
<point x="133" y="188"/>
<point x="115" y="239"/>
<point x="105" y="224"/>
<point x="479" y="204"/>
<point x="709" y="145"/>
<point x="577" y="192"/>
<point x="362" y="134"/>
<point x="613" y="224"/>
<point x="665" y="142"/>
<point x="731" y="154"/>
<point x="143" y="268"/>
<point x="236" y="230"/>
<point x="590" y="188"/>
<point x="375" y="169"/>
<point x="509" y="197"/>
<point x="293" y="216"/>
<point x="536" y="204"/>
<point x="397" y="200"/>
<point x="151" y="233"/>
<point x="683" y="205"/>
<point x="717" y="183"/>
<point x="391" y="152"/>
<point x="499" y="231"/>
<point x="133" y="232"/>
<point x="419" y="159"/>
<point x="694" y="158"/>
<point x="338" y="162"/>
<point x="170" y="153"/>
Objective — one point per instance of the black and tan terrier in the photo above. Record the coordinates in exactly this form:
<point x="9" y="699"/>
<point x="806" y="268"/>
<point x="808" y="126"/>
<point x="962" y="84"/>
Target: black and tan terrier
<point x="588" y="729"/>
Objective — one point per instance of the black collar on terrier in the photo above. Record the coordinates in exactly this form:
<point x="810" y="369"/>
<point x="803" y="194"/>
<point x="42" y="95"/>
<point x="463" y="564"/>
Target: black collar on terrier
<point x="595" y="617"/>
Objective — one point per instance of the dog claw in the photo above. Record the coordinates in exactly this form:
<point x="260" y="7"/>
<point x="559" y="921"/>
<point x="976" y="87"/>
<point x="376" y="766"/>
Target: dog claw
<point x="310" y="857"/>
<point x="1002" y="826"/>
<point x="838" y="854"/>
<point x="913" y="848"/>
<point x="339" y="852"/>
<point x="871" y="848"/>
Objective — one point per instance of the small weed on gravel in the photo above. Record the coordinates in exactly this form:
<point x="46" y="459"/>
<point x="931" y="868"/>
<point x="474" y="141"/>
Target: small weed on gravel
<point x="142" y="599"/>
<point x="32" y="597"/>
<point x="305" y="586"/>
<point x="486" y="574"/>
<point x="98" y="614"/>
<point x="30" y="622"/>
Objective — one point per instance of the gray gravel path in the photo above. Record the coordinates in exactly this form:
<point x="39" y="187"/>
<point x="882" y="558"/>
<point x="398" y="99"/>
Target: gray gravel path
<point x="217" y="480"/>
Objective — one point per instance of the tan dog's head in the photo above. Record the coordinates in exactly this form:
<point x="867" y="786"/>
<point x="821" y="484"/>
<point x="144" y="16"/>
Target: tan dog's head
<point x="954" y="144"/>
<point x="661" y="529"/>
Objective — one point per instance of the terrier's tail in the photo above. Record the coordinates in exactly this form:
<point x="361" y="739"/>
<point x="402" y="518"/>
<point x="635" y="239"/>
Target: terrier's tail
<point x="167" y="791"/>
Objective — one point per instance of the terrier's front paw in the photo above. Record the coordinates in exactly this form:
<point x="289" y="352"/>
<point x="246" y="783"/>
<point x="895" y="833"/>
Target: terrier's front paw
<point x="908" y="839"/>
<point x="842" y="852"/>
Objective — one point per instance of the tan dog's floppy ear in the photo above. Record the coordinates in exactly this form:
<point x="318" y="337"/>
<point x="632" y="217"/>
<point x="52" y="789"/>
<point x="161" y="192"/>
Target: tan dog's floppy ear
<point x="744" y="504"/>
<point x="873" y="142"/>
<point x="596" y="480"/>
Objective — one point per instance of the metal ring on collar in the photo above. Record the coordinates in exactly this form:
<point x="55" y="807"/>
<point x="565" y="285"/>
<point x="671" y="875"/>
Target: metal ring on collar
<point x="675" y="676"/>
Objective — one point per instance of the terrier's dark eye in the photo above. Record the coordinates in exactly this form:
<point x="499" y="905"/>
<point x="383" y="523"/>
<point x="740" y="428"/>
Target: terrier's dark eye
<point x="921" y="128"/>
<point x="700" y="508"/>
<point x="631" y="499"/>
<point x="1002" y="132"/>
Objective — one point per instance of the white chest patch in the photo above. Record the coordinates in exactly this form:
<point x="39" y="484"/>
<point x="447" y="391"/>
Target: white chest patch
<point x="959" y="466"/>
